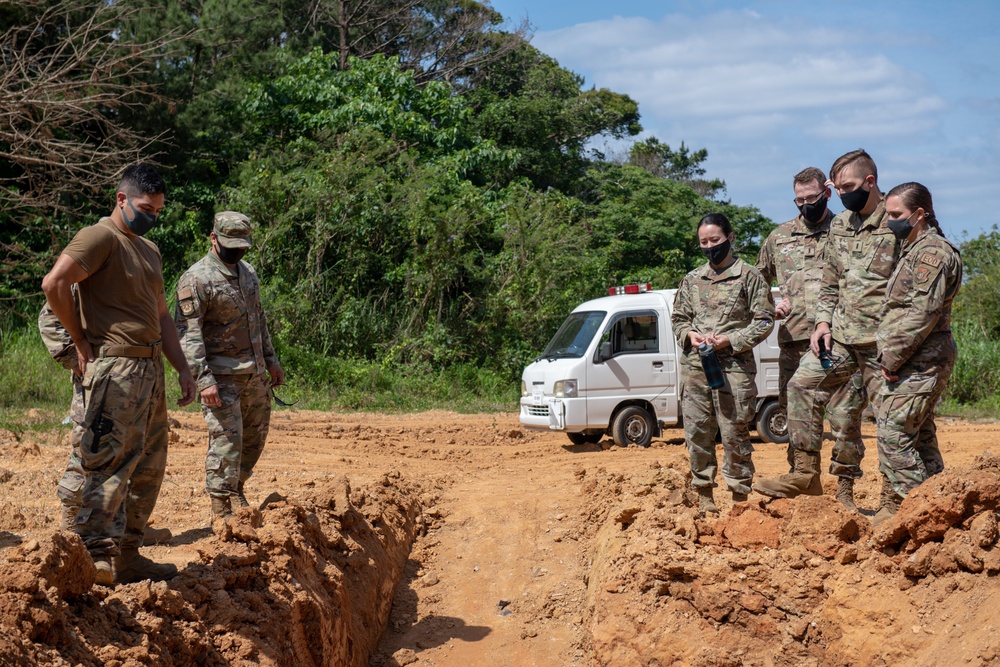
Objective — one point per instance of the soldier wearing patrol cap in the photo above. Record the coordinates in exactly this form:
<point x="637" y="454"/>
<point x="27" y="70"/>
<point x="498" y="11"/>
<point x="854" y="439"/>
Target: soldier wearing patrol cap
<point x="224" y="336"/>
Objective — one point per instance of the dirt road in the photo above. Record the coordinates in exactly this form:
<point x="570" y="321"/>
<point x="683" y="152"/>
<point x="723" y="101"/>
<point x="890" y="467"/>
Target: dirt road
<point x="509" y="528"/>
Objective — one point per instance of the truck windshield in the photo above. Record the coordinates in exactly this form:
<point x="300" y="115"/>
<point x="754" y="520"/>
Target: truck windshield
<point x="574" y="336"/>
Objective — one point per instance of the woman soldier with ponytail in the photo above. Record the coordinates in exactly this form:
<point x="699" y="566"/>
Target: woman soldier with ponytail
<point x="915" y="347"/>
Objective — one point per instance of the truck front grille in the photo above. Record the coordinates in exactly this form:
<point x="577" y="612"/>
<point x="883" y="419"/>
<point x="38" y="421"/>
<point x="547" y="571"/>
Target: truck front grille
<point x="538" y="410"/>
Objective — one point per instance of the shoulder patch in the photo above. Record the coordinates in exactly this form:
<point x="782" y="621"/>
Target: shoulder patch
<point x="922" y="275"/>
<point x="187" y="308"/>
<point x="184" y="293"/>
<point x="928" y="258"/>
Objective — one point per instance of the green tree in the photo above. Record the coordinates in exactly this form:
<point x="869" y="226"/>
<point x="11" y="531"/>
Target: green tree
<point x="528" y="102"/>
<point x="978" y="302"/>
<point x="681" y="165"/>
<point x="644" y="226"/>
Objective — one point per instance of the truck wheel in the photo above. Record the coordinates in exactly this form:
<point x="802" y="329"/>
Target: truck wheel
<point x="633" y="425"/>
<point x="585" y="438"/>
<point x="772" y="423"/>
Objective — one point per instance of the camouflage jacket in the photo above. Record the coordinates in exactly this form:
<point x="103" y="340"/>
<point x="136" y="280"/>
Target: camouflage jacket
<point x="792" y="255"/>
<point x="736" y="302"/>
<point x="918" y="299"/>
<point x="861" y="254"/>
<point x="220" y="321"/>
<point x="57" y="340"/>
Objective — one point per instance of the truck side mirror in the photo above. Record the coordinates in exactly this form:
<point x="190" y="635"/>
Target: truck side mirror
<point x="605" y="352"/>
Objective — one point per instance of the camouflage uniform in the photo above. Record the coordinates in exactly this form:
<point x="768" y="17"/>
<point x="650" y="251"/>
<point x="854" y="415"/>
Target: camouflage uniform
<point x="793" y="255"/>
<point x="121" y="407"/>
<point x="915" y="343"/>
<point x="224" y="336"/>
<point x="860" y="256"/>
<point x="60" y="346"/>
<point x="736" y="302"/>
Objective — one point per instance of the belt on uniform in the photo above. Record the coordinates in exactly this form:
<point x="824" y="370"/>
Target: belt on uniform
<point x="135" y="351"/>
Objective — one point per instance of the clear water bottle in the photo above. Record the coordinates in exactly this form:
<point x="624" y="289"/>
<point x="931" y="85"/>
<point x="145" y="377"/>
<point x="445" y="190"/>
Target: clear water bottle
<point x="713" y="369"/>
<point x="824" y="356"/>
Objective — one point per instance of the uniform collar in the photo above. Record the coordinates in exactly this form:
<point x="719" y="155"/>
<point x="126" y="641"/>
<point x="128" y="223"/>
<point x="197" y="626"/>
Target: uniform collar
<point x="874" y="220"/>
<point x="734" y="270"/>
<point x="800" y="226"/>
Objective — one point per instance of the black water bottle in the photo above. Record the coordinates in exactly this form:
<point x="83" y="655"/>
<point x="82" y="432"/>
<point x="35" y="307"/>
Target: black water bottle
<point x="824" y="356"/>
<point x="713" y="370"/>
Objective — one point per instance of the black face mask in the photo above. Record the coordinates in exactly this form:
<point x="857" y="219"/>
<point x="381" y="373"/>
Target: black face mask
<point x="717" y="253"/>
<point x="231" y="255"/>
<point x="140" y="222"/>
<point x="815" y="211"/>
<point x="900" y="228"/>
<point x="855" y="200"/>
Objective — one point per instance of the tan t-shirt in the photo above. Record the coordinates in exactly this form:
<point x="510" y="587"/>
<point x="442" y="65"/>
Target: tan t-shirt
<point x="119" y="298"/>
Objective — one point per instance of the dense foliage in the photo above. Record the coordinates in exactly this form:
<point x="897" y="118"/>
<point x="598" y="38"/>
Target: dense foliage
<point x="419" y="177"/>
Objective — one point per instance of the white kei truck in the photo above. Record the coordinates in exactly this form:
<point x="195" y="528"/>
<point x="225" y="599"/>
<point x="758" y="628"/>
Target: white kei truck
<point x="613" y="367"/>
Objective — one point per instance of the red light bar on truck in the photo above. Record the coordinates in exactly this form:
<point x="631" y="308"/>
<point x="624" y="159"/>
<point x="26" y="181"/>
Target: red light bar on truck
<point x="630" y="289"/>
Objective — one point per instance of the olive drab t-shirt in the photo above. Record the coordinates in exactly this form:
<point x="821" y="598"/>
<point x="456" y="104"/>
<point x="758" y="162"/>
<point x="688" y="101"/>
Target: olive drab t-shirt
<point x="120" y="296"/>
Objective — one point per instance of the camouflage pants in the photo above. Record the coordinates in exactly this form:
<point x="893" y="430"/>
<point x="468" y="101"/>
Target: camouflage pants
<point x="845" y="460"/>
<point x="730" y="409"/>
<point x="236" y="431"/>
<point x="789" y="356"/>
<point x="908" y="450"/>
<point x="841" y="392"/>
<point x="119" y="451"/>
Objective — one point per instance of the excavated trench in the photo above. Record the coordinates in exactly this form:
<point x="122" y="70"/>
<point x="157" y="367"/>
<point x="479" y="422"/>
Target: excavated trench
<point x="304" y="581"/>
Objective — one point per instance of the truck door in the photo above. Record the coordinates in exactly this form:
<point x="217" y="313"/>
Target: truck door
<point x="639" y="367"/>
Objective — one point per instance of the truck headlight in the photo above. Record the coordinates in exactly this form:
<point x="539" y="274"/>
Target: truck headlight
<point x="565" y="389"/>
<point x="524" y="388"/>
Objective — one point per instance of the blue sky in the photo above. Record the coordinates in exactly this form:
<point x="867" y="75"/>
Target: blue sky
<point x="773" y="86"/>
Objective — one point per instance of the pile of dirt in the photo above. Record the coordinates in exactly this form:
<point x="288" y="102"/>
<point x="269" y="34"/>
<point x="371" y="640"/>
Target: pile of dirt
<point x="791" y="582"/>
<point x="304" y="581"/>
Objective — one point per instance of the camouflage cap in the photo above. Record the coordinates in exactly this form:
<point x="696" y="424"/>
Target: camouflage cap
<point x="232" y="229"/>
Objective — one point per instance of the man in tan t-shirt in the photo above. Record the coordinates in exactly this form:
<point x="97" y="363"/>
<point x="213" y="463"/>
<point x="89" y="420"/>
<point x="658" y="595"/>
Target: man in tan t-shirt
<point x="122" y="325"/>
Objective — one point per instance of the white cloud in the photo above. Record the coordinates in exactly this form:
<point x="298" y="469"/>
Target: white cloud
<point x="770" y="96"/>
<point x="736" y="70"/>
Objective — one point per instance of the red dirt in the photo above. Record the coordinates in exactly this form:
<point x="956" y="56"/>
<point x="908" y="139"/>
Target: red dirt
<point x="497" y="546"/>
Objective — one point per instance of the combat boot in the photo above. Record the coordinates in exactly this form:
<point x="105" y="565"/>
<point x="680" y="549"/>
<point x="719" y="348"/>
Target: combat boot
<point x="240" y="500"/>
<point x="740" y="497"/>
<point x="845" y="493"/>
<point x="220" y="508"/>
<point x="67" y="515"/>
<point x="706" y="500"/>
<point x="131" y="567"/>
<point x="105" y="573"/>
<point x="889" y="503"/>
<point x="803" y="481"/>
<point x="152" y="535"/>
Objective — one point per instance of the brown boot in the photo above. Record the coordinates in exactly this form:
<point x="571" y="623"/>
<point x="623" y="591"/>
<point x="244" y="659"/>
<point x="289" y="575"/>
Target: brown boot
<point x="804" y="481"/>
<point x="220" y="508"/>
<point x="155" y="535"/>
<point x="889" y="503"/>
<point x="105" y="573"/>
<point x="132" y="566"/>
<point x="67" y="515"/>
<point x="706" y="500"/>
<point x="740" y="497"/>
<point x="845" y="493"/>
<point x="240" y="500"/>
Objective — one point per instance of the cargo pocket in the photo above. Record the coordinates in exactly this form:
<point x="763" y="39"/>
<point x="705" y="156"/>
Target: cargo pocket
<point x="101" y="443"/>
<point x="96" y="447"/>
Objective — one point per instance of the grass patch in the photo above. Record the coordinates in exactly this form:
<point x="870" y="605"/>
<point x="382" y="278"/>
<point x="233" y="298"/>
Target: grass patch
<point x="974" y="388"/>
<point x="35" y="392"/>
